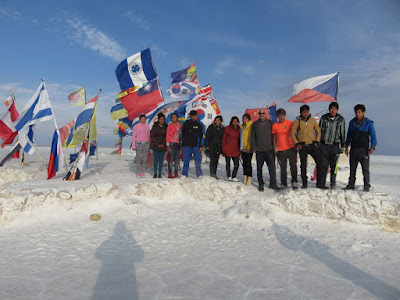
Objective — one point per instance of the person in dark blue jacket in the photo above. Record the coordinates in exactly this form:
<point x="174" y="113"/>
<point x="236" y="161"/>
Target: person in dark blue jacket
<point x="361" y="137"/>
<point x="192" y="142"/>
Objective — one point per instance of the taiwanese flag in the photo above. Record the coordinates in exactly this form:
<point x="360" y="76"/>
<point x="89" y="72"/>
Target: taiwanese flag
<point x="143" y="100"/>
<point x="316" y="89"/>
<point x="56" y="160"/>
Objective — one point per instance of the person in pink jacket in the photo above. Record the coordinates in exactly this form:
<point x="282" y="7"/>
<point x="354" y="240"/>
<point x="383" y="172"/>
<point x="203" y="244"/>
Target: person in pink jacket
<point x="141" y="144"/>
<point x="173" y="145"/>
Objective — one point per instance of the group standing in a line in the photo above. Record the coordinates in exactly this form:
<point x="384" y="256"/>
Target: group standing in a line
<point x="237" y="143"/>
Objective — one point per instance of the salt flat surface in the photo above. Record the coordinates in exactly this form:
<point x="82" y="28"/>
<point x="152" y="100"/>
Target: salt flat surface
<point x="195" y="239"/>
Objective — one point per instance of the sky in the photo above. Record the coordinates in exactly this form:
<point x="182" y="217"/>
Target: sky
<point x="252" y="54"/>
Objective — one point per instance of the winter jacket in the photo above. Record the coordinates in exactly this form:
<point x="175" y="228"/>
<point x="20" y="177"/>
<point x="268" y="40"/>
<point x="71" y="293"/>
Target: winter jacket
<point x="261" y="136"/>
<point x="192" y="134"/>
<point x="231" y="141"/>
<point x="141" y="133"/>
<point x="214" y="138"/>
<point x="305" y="131"/>
<point x="332" y="130"/>
<point x="359" y="133"/>
<point x="158" y="136"/>
<point x="245" y="135"/>
<point x="173" y="133"/>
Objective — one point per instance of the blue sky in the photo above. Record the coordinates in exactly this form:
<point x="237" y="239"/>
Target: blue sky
<point x="251" y="52"/>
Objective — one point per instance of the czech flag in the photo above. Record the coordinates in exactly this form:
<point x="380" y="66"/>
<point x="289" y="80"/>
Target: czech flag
<point x="56" y="160"/>
<point x="316" y="89"/>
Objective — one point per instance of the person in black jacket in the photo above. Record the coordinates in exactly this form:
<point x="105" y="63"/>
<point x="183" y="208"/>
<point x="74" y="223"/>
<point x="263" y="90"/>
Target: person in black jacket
<point x="192" y="141"/>
<point x="158" y="136"/>
<point x="213" y="144"/>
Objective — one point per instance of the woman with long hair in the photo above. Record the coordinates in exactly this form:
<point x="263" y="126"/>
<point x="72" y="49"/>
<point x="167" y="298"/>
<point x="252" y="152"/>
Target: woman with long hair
<point x="141" y="144"/>
<point x="213" y="144"/>
<point x="245" y="148"/>
<point x="231" y="148"/>
<point x="173" y="145"/>
<point x="158" y="137"/>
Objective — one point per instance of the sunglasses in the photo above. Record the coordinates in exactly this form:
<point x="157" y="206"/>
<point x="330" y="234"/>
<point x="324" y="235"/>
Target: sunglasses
<point x="262" y="113"/>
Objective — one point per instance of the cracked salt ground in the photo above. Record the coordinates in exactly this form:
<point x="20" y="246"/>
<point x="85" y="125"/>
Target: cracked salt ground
<point x="189" y="240"/>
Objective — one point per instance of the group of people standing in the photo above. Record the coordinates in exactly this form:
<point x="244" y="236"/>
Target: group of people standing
<point x="284" y="139"/>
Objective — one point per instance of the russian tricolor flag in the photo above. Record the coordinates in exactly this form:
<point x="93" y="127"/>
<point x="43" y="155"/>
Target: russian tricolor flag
<point x="316" y="89"/>
<point x="56" y="160"/>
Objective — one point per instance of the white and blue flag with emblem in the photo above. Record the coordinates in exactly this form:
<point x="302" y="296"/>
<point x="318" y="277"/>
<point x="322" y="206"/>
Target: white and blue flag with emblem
<point x="136" y="70"/>
<point x="38" y="109"/>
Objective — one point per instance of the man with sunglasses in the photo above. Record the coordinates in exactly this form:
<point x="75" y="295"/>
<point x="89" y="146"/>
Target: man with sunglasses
<point x="262" y="143"/>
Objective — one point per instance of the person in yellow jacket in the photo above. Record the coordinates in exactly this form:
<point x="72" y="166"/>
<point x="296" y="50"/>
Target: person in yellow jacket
<point x="306" y="135"/>
<point x="245" y="148"/>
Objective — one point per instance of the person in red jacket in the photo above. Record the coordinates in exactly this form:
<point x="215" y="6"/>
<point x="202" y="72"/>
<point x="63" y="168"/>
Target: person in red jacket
<point x="231" y="147"/>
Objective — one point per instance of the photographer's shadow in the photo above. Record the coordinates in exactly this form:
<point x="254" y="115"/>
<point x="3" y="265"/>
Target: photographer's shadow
<point x="117" y="277"/>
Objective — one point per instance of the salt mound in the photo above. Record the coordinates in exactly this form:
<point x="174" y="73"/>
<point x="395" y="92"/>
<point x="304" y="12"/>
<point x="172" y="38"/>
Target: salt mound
<point x="356" y="207"/>
<point x="14" y="175"/>
<point x="13" y="203"/>
<point x="208" y="189"/>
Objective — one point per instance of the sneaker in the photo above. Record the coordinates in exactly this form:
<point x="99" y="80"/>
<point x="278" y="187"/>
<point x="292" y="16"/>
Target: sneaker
<point x="176" y="175"/>
<point x="333" y="186"/>
<point x="304" y="186"/>
<point x="155" y="176"/>
<point x="200" y="177"/>
<point x="235" y="179"/>
<point x="294" y="186"/>
<point x="170" y="175"/>
<point x="366" y="189"/>
<point x="159" y="176"/>
<point x="183" y="177"/>
<point x="349" y="187"/>
<point x="322" y="187"/>
<point x="261" y="188"/>
<point x="143" y="176"/>
<point x="214" y="176"/>
<point x="139" y="175"/>
<point x="230" y="178"/>
<point x="274" y="187"/>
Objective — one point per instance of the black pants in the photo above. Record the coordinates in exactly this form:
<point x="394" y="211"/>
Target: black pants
<point x="213" y="163"/>
<point x="246" y="158"/>
<point x="235" y="166"/>
<point x="331" y="153"/>
<point x="269" y="158"/>
<point x="283" y="157"/>
<point x="319" y="159"/>
<point x="359" y="155"/>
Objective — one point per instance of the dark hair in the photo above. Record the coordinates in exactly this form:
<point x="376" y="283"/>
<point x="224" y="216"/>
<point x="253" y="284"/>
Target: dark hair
<point x="160" y="115"/>
<point x="304" y="108"/>
<point x="218" y="117"/>
<point x="234" y="118"/>
<point x="359" y="106"/>
<point x="280" y="111"/>
<point x="247" y="116"/>
<point x="334" y="104"/>
<point x="193" y="113"/>
<point x="175" y="114"/>
<point x="142" y="116"/>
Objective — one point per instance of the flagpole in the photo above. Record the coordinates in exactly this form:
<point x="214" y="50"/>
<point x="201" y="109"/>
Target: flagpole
<point x="21" y="159"/>
<point x="337" y="94"/>
<point x="55" y="124"/>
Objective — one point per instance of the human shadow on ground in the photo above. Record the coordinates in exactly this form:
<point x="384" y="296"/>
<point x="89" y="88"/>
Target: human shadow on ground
<point x="117" y="277"/>
<point x="321" y="252"/>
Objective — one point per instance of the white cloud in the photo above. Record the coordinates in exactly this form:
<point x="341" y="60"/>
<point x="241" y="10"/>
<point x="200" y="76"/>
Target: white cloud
<point x="94" y="39"/>
<point x="223" y="65"/>
<point x="9" y="13"/>
<point x="157" y="49"/>
<point x="137" y="19"/>
<point x="184" y="61"/>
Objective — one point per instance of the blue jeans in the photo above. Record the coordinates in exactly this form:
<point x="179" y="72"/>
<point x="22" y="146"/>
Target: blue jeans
<point x="188" y="153"/>
<point x="174" y="157"/>
<point x="158" y="161"/>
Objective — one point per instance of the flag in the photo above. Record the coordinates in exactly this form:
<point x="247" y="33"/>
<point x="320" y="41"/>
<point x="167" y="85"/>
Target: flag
<point x="143" y="101"/>
<point x="93" y="147"/>
<point x="65" y="132"/>
<point x="73" y="157"/>
<point x="6" y="123"/>
<point x="182" y="89"/>
<point x="78" y="98"/>
<point x="124" y="127"/>
<point x="214" y="104"/>
<point x="187" y="74"/>
<point x="118" y="112"/>
<point x="316" y="89"/>
<point x="79" y="131"/>
<point x="38" y="109"/>
<point x="320" y="114"/>
<point x="178" y="107"/>
<point x="206" y="92"/>
<point x="93" y="129"/>
<point x="136" y="70"/>
<point x="56" y="160"/>
<point x="13" y="153"/>
<point x="118" y="145"/>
